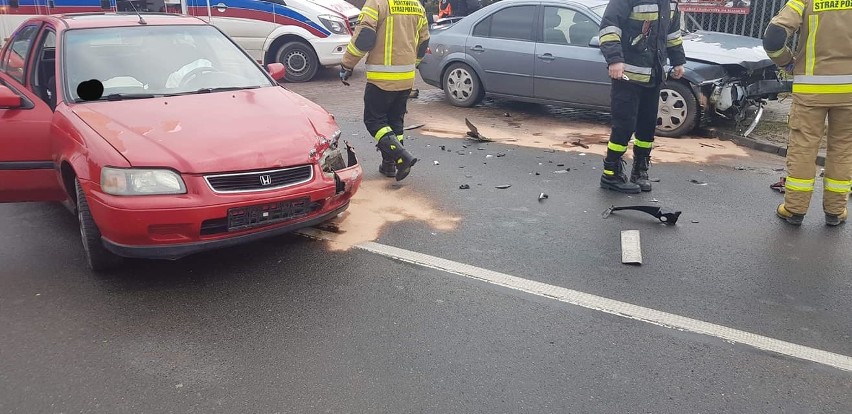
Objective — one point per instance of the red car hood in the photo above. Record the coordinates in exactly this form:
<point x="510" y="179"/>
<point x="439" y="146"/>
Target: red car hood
<point x="216" y="132"/>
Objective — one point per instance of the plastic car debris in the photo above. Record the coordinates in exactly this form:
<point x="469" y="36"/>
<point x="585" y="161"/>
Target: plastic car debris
<point x="579" y="143"/>
<point x="504" y="186"/>
<point x="415" y="126"/>
<point x="697" y="182"/>
<point x="661" y="213"/>
<point x="474" y="133"/>
<point x="779" y="186"/>
<point x="631" y="249"/>
<point x="542" y="196"/>
<point x="464" y="187"/>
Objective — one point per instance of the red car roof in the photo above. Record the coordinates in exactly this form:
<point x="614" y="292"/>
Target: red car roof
<point x="109" y="19"/>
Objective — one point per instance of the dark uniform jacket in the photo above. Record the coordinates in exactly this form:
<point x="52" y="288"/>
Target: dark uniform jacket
<point x="642" y="34"/>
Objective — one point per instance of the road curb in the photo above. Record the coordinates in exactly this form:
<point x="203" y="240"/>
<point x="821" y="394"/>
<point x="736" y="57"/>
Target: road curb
<point x="758" y="144"/>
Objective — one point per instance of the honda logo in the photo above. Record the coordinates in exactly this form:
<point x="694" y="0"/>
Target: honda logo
<point x="265" y="179"/>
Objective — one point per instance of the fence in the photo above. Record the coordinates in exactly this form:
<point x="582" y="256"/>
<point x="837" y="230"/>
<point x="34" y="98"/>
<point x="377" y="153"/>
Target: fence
<point x="752" y="24"/>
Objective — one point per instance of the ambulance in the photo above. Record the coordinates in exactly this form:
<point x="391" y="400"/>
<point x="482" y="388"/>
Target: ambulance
<point x="304" y="35"/>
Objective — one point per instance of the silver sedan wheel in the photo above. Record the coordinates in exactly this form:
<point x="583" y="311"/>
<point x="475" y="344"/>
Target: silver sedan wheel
<point x="673" y="110"/>
<point x="460" y="84"/>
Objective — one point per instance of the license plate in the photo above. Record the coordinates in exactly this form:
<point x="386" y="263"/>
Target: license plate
<point x="240" y="218"/>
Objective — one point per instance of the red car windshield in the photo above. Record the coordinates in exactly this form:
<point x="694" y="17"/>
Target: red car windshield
<point x="146" y="61"/>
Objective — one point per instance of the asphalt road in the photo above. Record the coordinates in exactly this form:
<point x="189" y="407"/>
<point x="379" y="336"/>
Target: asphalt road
<point x="293" y="325"/>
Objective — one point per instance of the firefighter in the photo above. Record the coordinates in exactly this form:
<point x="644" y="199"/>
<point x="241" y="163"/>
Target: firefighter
<point x="636" y="38"/>
<point x="822" y="91"/>
<point x="393" y="35"/>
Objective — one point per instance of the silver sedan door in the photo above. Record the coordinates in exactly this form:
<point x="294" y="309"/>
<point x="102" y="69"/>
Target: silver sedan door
<point x="502" y="46"/>
<point x="567" y="69"/>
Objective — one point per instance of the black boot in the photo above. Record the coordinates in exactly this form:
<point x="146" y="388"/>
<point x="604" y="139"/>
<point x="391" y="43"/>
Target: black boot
<point x="615" y="179"/>
<point x="639" y="174"/>
<point x="387" y="167"/>
<point x="393" y="150"/>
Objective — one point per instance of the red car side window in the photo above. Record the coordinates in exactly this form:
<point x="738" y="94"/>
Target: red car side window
<point x="16" y="55"/>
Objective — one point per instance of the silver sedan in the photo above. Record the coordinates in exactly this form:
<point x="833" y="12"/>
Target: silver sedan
<point x="548" y="52"/>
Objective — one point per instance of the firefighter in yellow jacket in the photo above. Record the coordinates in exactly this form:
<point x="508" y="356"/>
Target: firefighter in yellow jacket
<point x="822" y="91"/>
<point x="393" y="34"/>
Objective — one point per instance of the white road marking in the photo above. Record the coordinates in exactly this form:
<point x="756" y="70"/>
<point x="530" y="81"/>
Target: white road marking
<point x="602" y="304"/>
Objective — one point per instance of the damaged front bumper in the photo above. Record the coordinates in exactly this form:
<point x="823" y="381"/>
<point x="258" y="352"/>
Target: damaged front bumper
<point x="741" y="99"/>
<point x="154" y="228"/>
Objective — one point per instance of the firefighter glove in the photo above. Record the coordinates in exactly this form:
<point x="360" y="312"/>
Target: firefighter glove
<point x="345" y="73"/>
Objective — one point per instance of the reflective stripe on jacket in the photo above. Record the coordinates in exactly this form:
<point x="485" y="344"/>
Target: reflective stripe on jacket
<point x="630" y="33"/>
<point x="822" y="73"/>
<point x="401" y="34"/>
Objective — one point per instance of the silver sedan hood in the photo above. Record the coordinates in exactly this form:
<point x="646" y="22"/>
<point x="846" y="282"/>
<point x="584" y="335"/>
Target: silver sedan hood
<point x="726" y="49"/>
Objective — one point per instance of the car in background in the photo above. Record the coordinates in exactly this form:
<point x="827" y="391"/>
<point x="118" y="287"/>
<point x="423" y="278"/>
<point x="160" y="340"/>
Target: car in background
<point x="163" y="136"/>
<point x="548" y="52"/>
<point x="304" y="35"/>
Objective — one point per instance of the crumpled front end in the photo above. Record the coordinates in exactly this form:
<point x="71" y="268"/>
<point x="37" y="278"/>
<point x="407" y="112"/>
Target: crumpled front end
<point x="740" y="94"/>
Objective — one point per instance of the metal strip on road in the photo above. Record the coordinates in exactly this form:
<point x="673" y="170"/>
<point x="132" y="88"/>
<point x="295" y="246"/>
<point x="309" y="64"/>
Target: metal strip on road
<point x="602" y="304"/>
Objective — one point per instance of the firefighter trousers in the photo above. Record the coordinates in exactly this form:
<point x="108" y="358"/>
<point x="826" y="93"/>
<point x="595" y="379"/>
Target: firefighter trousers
<point x="807" y="127"/>
<point x="634" y="114"/>
<point x="384" y="111"/>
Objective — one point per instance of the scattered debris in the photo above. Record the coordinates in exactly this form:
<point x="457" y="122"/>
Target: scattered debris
<point x="460" y="152"/>
<point x="694" y="181"/>
<point x="468" y="176"/>
<point x="582" y="154"/>
<point x="504" y="186"/>
<point x="661" y="213"/>
<point x="562" y="171"/>
<point x="501" y="155"/>
<point x="507" y="115"/>
<point x="489" y="156"/>
<point x="329" y="227"/>
<point x="694" y="221"/>
<point x="473" y="132"/>
<point x="579" y="143"/>
<point x="537" y="173"/>
<point x="415" y="126"/>
<point x="778" y="169"/>
<point x="655" y="180"/>
<point x="560" y="165"/>
<point x="542" y="196"/>
<point x="550" y="150"/>
<point x="437" y="163"/>
<point x="654" y="200"/>
<point x="481" y="149"/>
<point x="708" y="145"/>
<point x="443" y="147"/>
<point x="464" y="187"/>
<point x="631" y="250"/>
<point x="779" y="186"/>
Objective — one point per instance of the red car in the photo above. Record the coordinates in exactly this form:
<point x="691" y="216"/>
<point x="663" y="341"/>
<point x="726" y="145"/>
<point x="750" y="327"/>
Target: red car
<point x="163" y="136"/>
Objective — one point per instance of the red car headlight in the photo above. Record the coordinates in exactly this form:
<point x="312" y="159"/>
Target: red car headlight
<point x="138" y="181"/>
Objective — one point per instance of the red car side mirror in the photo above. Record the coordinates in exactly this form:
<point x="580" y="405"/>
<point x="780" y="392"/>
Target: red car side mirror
<point x="9" y="99"/>
<point x="276" y="70"/>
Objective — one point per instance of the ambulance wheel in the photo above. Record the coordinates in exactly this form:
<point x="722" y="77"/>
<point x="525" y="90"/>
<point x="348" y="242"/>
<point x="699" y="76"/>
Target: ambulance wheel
<point x="678" y="113"/>
<point x="299" y="60"/>
<point x="462" y="86"/>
